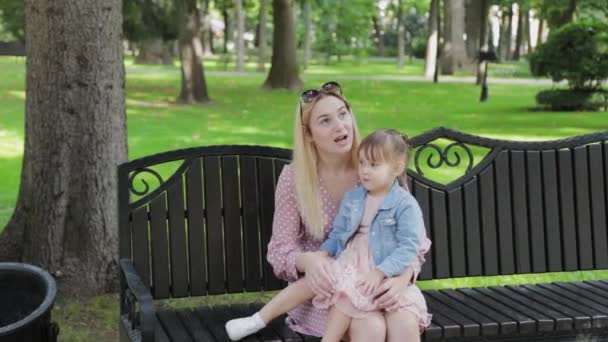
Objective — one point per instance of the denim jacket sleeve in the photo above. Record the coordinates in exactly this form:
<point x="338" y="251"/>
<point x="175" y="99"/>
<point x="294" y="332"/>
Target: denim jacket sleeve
<point x="334" y="244"/>
<point x="409" y="222"/>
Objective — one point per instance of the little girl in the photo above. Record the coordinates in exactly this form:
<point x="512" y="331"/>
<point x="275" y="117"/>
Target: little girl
<point x="378" y="232"/>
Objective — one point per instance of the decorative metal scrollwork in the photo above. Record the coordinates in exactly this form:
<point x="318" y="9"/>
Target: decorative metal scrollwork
<point x="147" y="186"/>
<point x="443" y="156"/>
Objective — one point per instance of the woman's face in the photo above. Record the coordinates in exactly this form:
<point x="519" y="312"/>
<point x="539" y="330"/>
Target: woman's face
<point x="331" y="126"/>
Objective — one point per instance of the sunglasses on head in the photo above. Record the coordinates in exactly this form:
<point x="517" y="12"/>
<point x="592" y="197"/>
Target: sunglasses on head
<point x="309" y="95"/>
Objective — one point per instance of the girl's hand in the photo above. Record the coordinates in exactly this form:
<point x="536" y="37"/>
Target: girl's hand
<point x="318" y="273"/>
<point x="387" y="294"/>
<point x="370" y="282"/>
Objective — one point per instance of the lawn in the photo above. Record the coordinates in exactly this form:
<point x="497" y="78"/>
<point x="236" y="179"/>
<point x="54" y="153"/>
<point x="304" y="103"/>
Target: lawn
<point x="242" y="113"/>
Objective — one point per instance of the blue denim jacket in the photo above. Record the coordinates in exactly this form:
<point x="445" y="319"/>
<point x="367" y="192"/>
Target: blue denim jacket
<point x="394" y="233"/>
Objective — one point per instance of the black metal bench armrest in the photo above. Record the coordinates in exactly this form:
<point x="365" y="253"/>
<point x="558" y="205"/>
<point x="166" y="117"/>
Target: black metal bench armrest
<point x="143" y="297"/>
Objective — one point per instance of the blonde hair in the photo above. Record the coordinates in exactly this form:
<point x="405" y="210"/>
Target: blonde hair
<point x="305" y="157"/>
<point x="387" y="145"/>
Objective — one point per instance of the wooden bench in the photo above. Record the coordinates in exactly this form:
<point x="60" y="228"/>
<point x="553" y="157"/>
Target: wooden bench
<point x="525" y="207"/>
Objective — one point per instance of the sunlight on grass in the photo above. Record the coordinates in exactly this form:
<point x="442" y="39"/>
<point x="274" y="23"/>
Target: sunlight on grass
<point x="11" y="145"/>
<point x="18" y="94"/>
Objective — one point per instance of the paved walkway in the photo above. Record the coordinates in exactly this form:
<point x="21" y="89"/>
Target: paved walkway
<point x="442" y="79"/>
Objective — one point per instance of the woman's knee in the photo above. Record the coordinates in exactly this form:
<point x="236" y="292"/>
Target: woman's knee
<point x="402" y="322"/>
<point x="370" y="328"/>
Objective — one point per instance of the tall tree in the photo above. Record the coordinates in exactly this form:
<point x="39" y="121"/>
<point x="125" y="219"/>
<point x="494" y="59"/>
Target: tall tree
<point x="262" y="36"/>
<point x="284" y="69"/>
<point x="400" y="35"/>
<point x="75" y="136"/>
<point x="379" y="34"/>
<point x="240" y="31"/>
<point x="483" y="42"/>
<point x="194" y="87"/>
<point x="519" y="33"/>
<point x="473" y="26"/>
<point x="454" y="55"/>
<point x="307" y="32"/>
<point x="432" y="42"/>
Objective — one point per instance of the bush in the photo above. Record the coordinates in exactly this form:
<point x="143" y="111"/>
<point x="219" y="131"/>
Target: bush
<point x="576" y="52"/>
<point x="573" y="99"/>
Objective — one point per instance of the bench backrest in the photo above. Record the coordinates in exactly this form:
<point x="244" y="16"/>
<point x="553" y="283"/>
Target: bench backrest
<point x="526" y="207"/>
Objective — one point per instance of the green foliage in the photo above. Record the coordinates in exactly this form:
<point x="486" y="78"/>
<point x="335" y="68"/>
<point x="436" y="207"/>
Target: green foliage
<point x="573" y="99"/>
<point x="149" y="19"/>
<point x="577" y="53"/>
<point x="12" y="20"/>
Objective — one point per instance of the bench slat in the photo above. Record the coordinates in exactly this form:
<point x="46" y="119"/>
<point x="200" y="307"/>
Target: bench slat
<point x="473" y="233"/>
<point x="488" y="221"/>
<point x="213" y="322"/>
<point x="597" y="179"/>
<point x="421" y="193"/>
<point x="535" y="205"/>
<point x="448" y="328"/>
<point x="267" y="185"/>
<point x="468" y="326"/>
<point x="543" y="322"/>
<point x="440" y="234"/>
<point x="566" y="185"/>
<point x="552" y="226"/>
<point x="507" y="325"/>
<point x="520" y="212"/>
<point x="581" y="181"/>
<point x="586" y="290"/>
<point x="196" y="329"/>
<point x="141" y="251"/>
<point x="504" y="214"/>
<point x="232" y="224"/>
<point x="177" y="239"/>
<point x="489" y="327"/>
<point x="173" y="326"/>
<point x="525" y="324"/>
<point x="160" y="246"/>
<point x="457" y="236"/>
<point x="215" y="242"/>
<point x="594" y="309"/>
<point x="252" y="249"/>
<point x="197" y="241"/>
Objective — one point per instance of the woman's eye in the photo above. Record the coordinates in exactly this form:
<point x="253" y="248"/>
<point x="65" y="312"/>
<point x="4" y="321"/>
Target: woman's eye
<point x="342" y="115"/>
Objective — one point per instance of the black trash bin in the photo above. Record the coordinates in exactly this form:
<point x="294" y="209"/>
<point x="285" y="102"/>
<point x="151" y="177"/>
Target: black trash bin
<point x="27" y="294"/>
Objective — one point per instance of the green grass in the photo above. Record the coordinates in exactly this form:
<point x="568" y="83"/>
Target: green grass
<point x="242" y="113"/>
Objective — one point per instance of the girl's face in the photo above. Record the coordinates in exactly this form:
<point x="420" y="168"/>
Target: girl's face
<point x="377" y="176"/>
<point x="331" y="126"/>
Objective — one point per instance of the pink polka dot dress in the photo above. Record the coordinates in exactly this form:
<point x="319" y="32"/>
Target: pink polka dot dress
<point x="289" y="238"/>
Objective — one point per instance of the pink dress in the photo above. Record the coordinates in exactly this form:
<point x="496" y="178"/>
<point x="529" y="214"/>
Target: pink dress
<point x="289" y="238"/>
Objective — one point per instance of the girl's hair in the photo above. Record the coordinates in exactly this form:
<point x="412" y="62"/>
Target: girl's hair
<point x="387" y="145"/>
<point x="305" y="157"/>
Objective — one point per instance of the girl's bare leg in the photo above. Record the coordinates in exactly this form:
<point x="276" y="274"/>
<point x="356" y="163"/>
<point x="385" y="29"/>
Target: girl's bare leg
<point x="370" y="328"/>
<point x="337" y="325"/>
<point x="402" y="326"/>
<point x="293" y="295"/>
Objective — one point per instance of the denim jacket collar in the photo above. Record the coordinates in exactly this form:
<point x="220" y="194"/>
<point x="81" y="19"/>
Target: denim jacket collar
<point x="390" y="199"/>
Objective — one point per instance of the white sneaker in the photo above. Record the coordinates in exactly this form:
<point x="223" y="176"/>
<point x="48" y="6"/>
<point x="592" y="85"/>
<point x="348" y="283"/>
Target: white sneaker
<point x="241" y="327"/>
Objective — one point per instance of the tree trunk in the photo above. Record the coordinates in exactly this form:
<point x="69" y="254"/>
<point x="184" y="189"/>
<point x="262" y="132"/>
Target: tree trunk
<point x="483" y="44"/>
<point x="65" y="219"/>
<point x="379" y="35"/>
<point x="527" y="33"/>
<point x="227" y="32"/>
<point x="519" y="34"/>
<point x="307" y="32"/>
<point x="400" y="36"/>
<point x="454" y="53"/>
<point x="154" y="52"/>
<point x="567" y="15"/>
<point x="262" y="36"/>
<point x="194" y="87"/>
<point x="473" y="26"/>
<point x="240" y="30"/>
<point x="540" y="33"/>
<point x="284" y="69"/>
<point x="430" y="62"/>
<point x="206" y="31"/>
<point x="509" y="33"/>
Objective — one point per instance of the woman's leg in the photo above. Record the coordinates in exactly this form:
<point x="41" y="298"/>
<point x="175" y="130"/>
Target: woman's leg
<point x="293" y="295"/>
<point x="402" y="325"/>
<point x="337" y="325"/>
<point x="290" y="297"/>
<point x="370" y="328"/>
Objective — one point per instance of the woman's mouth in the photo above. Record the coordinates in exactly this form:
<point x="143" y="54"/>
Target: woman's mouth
<point x="341" y="140"/>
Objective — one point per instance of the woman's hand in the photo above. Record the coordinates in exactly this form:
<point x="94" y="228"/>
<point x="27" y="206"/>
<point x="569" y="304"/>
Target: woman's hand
<point x="316" y="267"/>
<point x="387" y="294"/>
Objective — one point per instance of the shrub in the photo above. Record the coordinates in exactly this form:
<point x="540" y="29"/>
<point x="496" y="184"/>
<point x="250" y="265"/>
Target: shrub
<point x="573" y="99"/>
<point x="576" y="52"/>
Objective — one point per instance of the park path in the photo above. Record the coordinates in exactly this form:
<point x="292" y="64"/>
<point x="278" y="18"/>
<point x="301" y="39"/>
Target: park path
<point x="396" y="78"/>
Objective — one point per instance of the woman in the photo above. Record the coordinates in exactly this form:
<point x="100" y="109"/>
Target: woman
<point x="308" y="194"/>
